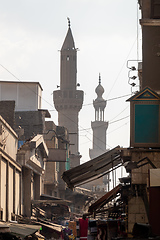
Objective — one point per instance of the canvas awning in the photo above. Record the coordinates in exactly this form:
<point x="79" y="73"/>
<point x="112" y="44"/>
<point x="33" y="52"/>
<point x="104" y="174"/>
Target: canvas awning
<point x="93" y="169"/>
<point x="104" y="199"/>
<point x="23" y="230"/>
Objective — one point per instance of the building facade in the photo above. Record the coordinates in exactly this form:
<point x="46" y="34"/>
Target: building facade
<point x="58" y="161"/>
<point x="27" y="95"/>
<point x="38" y="177"/>
<point x="31" y="156"/>
<point x="10" y="173"/>
<point x="150" y="23"/>
<point x="142" y="157"/>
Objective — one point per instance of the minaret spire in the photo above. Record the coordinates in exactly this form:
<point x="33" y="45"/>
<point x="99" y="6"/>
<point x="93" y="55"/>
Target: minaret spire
<point x="69" y="22"/>
<point x="99" y="78"/>
<point x="68" y="72"/>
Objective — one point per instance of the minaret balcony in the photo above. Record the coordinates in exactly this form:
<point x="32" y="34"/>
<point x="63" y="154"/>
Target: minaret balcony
<point x="99" y="124"/>
<point x="68" y="99"/>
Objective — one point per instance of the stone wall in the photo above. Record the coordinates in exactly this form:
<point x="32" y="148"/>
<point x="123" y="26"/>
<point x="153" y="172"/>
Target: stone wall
<point x="140" y="175"/>
<point x="139" y="179"/>
<point x="136" y="212"/>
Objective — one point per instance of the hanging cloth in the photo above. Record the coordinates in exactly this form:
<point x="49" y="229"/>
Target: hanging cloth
<point x="83" y="228"/>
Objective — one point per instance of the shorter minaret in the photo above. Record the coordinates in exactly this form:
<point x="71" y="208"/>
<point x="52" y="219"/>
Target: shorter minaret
<point x="99" y="126"/>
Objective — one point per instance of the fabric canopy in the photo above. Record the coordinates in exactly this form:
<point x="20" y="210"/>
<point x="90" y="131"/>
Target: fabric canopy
<point x="93" y="169"/>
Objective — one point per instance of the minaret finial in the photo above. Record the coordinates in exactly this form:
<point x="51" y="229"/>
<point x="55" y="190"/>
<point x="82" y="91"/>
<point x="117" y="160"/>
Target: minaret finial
<point x="99" y="78"/>
<point x="69" y="23"/>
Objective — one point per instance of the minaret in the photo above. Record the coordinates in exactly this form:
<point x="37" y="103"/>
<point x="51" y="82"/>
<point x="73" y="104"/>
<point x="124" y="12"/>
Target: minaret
<point x="68" y="100"/>
<point x="99" y="126"/>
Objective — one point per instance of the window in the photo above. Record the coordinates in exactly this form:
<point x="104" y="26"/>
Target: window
<point x="155" y="9"/>
<point x="1" y="213"/>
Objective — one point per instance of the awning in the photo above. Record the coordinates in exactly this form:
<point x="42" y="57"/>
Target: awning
<point x="47" y="199"/>
<point x="53" y="226"/>
<point x="23" y="230"/>
<point x="63" y="202"/>
<point x="104" y="199"/>
<point x="93" y="169"/>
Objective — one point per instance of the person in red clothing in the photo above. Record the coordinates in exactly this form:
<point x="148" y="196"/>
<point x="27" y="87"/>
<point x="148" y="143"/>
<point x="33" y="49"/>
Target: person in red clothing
<point x="83" y="228"/>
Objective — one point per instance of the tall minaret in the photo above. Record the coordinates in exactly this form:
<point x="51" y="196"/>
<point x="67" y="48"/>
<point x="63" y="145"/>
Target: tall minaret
<point x="99" y="126"/>
<point x="68" y="100"/>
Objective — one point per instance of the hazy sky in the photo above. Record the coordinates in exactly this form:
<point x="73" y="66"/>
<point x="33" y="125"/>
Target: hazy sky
<point x="105" y="32"/>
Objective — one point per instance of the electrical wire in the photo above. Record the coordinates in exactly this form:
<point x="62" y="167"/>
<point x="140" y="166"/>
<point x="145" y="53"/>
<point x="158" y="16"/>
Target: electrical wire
<point x="111" y="99"/>
<point x="110" y="121"/>
<point x="118" y="127"/>
<point x="119" y="119"/>
<point x="109" y="91"/>
<point x="37" y="94"/>
<point x="119" y="113"/>
<point x="61" y="112"/>
<point x="122" y="67"/>
<point x="52" y="105"/>
<point x="85" y="129"/>
<point x="46" y="100"/>
<point x="25" y="84"/>
<point x="96" y="145"/>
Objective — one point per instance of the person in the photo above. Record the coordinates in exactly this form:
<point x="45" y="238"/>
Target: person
<point x="83" y="228"/>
